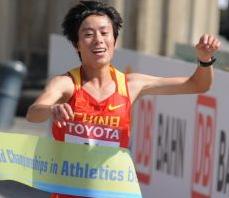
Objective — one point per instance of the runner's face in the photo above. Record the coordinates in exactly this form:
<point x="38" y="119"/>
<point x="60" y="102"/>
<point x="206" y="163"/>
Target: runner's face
<point x="96" y="41"/>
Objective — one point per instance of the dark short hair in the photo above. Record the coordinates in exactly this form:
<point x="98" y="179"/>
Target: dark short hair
<point x="78" y="13"/>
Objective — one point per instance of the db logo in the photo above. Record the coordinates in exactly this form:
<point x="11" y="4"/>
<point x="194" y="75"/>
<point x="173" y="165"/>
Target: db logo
<point x="144" y="128"/>
<point x="203" y="153"/>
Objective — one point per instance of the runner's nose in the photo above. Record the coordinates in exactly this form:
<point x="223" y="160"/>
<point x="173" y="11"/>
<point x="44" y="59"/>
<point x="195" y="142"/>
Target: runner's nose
<point x="98" y="38"/>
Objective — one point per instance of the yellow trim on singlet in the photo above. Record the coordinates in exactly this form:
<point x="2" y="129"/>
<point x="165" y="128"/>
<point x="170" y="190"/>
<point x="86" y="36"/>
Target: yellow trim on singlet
<point x="120" y="80"/>
<point x="75" y="73"/>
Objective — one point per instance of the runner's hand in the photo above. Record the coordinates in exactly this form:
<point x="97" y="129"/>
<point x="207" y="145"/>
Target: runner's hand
<point x="61" y="113"/>
<point x="206" y="47"/>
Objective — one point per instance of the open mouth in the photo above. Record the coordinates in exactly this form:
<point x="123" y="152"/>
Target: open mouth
<point x="99" y="51"/>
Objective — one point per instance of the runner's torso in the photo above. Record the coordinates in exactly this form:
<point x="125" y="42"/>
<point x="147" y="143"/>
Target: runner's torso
<point x="105" y="123"/>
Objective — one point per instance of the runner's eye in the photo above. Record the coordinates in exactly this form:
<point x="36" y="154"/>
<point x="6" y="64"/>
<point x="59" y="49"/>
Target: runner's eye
<point x="89" y="34"/>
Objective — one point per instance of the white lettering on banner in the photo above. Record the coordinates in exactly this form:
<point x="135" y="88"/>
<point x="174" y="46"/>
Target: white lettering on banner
<point x="92" y="134"/>
<point x="203" y="153"/>
<point x="143" y="155"/>
<point x="223" y="164"/>
<point x="170" y="145"/>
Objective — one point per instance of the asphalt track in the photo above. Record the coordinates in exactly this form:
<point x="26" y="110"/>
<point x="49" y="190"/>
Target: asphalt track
<point x="11" y="189"/>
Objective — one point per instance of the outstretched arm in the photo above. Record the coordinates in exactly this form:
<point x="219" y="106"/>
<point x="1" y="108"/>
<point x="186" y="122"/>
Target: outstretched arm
<point x="200" y="81"/>
<point x="52" y="102"/>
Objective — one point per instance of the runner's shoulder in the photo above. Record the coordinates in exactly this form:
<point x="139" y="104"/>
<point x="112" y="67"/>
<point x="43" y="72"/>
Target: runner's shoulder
<point x="134" y="77"/>
<point x="63" y="83"/>
<point x="64" y="79"/>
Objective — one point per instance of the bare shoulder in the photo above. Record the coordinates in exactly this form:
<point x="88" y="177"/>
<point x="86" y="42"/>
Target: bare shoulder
<point x="62" y="84"/>
<point x="135" y="84"/>
<point x="143" y="84"/>
<point x="137" y="79"/>
<point x="132" y="76"/>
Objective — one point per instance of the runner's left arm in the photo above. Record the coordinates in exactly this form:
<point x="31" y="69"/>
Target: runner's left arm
<point x="200" y="81"/>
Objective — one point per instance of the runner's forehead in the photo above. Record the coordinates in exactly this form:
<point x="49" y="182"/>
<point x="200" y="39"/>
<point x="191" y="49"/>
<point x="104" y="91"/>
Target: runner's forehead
<point x="85" y="29"/>
<point x="96" y="22"/>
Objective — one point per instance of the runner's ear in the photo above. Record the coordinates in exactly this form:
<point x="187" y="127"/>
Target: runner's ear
<point x="76" y="46"/>
<point x="115" y="44"/>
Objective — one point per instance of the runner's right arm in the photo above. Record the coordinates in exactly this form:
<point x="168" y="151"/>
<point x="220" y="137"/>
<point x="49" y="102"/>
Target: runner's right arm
<point x="52" y="102"/>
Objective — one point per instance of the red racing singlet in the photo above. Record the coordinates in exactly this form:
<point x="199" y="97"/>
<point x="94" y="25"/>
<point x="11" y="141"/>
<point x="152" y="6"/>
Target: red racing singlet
<point x="105" y="123"/>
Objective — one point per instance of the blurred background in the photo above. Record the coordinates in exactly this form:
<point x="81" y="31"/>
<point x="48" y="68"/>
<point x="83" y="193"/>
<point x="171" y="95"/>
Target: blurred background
<point x="161" y="27"/>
